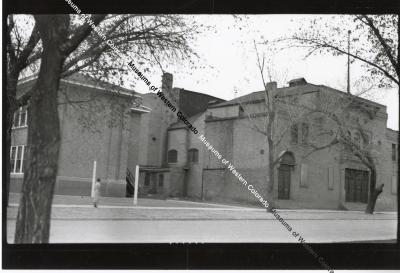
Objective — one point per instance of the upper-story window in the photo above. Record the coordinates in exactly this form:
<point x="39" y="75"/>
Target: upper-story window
<point x="172" y="156"/>
<point x="357" y="138"/>
<point x="319" y="123"/>
<point x="394" y="152"/>
<point x="366" y="140"/>
<point x="193" y="155"/>
<point x="304" y="133"/>
<point x="20" y="118"/>
<point x="294" y="133"/>
<point x="18" y="158"/>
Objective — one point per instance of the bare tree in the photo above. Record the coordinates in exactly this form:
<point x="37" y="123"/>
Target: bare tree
<point x="349" y="127"/>
<point x="264" y="120"/>
<point x="374" y="42"/>
<point x="33" y="221"/>
<point x="351" y="136"/>
<point x="68" y="46"/>
<point x="20" y="55"/>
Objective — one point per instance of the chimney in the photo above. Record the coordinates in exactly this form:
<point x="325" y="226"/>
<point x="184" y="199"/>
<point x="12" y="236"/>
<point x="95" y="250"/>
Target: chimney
<point x="166" y="87"/>
<point x="166" y="83"/>
<point x="272" y="86"/>
<point x="298" y="81"/>
<point x="168" y="116"/>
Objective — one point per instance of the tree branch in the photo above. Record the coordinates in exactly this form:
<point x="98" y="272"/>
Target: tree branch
<point x="323" y="44"/>
<point x="80" y="34"/>
<point x="385" y="46"/>
<point x="23" y="59"/>
<point x="10" y="46"/>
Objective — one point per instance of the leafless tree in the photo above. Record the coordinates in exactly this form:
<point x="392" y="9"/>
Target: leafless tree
<point x="69" y="45"/>
<point x="374" y="42"/>
<point x="264" y="120"/>
<point x="351" y="136"/>
<point x="349" y="118"/>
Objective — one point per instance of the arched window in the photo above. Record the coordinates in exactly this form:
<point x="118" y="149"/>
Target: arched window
<point x="193" y="155"/>
<point x="172" y="156"/>
<point x="287" y="159"/>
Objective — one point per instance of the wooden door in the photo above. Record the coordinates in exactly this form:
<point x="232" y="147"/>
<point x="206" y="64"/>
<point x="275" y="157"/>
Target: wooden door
<point x="356" y="185"/>
<point x="284" y="182"/>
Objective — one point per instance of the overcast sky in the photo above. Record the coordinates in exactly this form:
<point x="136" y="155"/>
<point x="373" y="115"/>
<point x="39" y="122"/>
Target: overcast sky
<point x="227" y="52"/>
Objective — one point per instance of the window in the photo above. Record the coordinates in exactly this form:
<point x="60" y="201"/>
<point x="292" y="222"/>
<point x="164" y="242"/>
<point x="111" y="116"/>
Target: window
<point x="304" y="133"/>
<point x="357" y="138"/>
<point x="319" y="123"/>
<point x="161" y="180"/>
<point x="366" y="141"/>
<point x="393" y="152"/>
<point x="18" y="158"/>
<point x="147" y="180"/>
<point x="394" y="184"/>
<point x="172" y="156"/>
<point x="20" y="118"/>
<point x="193" y="155"/>
<point x="331" y="177"/>
<point x="24" y="157"/>
<point x="294" y="132"/>
<point x="303" y="175"/>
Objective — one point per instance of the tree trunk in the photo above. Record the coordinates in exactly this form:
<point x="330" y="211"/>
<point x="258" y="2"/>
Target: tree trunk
<point x="12" y="107"/>
<point x="373" y="193"/>
<point x="33" y="220"/>
<point x="10" y="116"/>
<point x="271" y="174"/>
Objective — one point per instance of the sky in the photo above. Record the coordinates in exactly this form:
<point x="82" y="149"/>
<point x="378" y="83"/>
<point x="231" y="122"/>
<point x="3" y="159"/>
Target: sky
<point x="227" y="52"/>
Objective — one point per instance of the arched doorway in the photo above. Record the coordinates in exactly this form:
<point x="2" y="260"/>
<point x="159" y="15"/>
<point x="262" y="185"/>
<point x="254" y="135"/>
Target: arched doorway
<point x="286" y="163"/>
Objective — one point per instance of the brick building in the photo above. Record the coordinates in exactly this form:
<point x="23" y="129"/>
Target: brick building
<point x="158" y="176"/>
<point x="99" y="122"/>
<point x="325" y="179"/>
<point x="175" y="163"/>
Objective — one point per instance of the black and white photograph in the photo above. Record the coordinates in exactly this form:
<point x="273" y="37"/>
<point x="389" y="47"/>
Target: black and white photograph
<point x="194" y="130"/>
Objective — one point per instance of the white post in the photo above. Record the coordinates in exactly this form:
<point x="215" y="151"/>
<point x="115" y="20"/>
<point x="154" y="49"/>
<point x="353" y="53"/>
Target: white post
<point x="93" y="179"/>
<point x="136" y="185"/>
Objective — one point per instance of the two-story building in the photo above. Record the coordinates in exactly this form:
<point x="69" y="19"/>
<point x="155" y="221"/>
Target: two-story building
<point x="99" y="122"/>
<point x="162" y="171"/>
<point x="118" y="129"/>
<point x="305" y="177"/>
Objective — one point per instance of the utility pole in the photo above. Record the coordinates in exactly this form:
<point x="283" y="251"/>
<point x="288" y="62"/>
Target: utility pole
<point x="348" y="62"/>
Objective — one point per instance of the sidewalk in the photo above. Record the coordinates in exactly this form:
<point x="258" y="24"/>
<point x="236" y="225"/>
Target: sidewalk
<point x="81" y="208"/>
<point x="114" y="201"/>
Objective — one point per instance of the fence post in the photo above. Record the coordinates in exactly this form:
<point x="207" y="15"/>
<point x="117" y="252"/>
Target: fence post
<point x="93" y="179"/>
<point x="135" y="193"/>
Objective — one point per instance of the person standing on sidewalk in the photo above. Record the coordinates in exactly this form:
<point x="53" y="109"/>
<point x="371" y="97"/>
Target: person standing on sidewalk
<point x="96" y="193"/>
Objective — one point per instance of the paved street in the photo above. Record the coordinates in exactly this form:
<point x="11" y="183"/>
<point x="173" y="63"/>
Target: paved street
<point x="117" y="221"/>
<point x="255" y="231"/>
